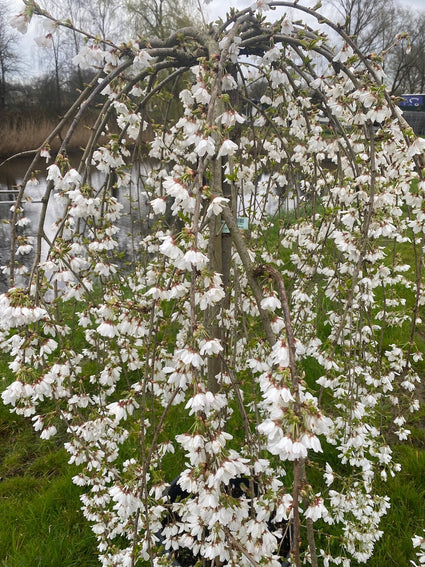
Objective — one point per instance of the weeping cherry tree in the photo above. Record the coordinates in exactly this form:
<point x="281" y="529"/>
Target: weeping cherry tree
<point x="222" y="328"/>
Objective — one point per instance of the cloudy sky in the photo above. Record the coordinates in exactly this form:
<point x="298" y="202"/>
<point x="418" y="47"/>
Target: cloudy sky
<point x="219" y="7"/>
<point x="214" y="9"/>
<point x="414" y="4"/>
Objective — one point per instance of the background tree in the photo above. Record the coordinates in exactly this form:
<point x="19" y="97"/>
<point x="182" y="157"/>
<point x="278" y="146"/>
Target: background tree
<point x="158" y="18"/>
<point x="406" y="62"/>
<point x="368" y="22"/>
<point x="65" y="43"/>
<point x="10" y="61"/>
<point x="377" y="27"/>
<point x="155" y="19"/>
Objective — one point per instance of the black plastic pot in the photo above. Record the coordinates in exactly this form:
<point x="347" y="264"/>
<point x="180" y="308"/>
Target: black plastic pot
<point x="237" y="488"/>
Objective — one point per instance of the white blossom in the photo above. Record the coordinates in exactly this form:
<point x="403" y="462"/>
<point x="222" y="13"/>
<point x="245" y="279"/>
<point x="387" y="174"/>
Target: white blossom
<point x="280" y="354"/>
<point x="210" y="347"/>
<point x="107" y="329"/>
<point x="270" y="303"/>
<point x="228" y="82"/>
<point x="216" y="206"/>
<point x="158" y="205"/>
<point x="261" y="5"/>
<point x="227" y="148"/>
<point x="20" y="22"/>
<point x="200" y="94"/>
<point x="169" y="248"/>
<point x="48" y="432"/>
<point x="143" y="60"/>
<point x="230" y="118"/>
<point x="190" y="358"/>
<point x="205" y="146"/>
<point x="192" y="259"/>
<point x="44" y="40"/>
<point x="316" y="510"/>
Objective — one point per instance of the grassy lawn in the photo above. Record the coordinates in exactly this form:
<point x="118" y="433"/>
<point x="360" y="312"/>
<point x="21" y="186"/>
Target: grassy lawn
<point x="43" y="526"/>
<point x="407" y="514"/>
<point x="41" y="522"/>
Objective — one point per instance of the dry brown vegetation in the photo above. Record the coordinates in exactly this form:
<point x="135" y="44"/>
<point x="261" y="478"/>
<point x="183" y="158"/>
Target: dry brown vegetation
<point x="23" y="131"/>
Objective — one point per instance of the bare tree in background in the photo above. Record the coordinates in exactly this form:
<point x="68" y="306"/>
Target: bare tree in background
<point x="113" y="19"/>
<point x="160" y="17"/>
<point x="9" y="57"/>
<point x="377" y="26"/>
<point x="366" y="20"/>
<point x="406" y="62"/>
<point x="98" y="17"/>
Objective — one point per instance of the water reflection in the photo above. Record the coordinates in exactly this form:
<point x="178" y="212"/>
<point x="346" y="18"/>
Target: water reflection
<point x="133" y="221"/>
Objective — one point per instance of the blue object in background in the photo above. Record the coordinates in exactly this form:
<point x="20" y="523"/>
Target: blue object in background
<point x="412" y="101"/>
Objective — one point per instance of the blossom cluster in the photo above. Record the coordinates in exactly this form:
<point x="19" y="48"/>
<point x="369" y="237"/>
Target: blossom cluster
<point x="187" y="346"/>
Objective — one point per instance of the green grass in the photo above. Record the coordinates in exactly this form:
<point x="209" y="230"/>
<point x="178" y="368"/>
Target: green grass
<point x="407" y="514"/>
<point x="41" y="521"/>
<point x="42" y="524"/>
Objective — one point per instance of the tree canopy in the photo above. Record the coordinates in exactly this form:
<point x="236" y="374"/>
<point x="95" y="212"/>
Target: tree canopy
<point x="250" y="329"/>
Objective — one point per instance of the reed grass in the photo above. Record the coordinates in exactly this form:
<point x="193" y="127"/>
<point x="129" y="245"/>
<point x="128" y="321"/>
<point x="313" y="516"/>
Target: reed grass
<point x="26" y="130"/>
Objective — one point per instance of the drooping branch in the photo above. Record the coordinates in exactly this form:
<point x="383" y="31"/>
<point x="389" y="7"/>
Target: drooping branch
<point x="129" y="366"/>
<point x="299" y="464"/>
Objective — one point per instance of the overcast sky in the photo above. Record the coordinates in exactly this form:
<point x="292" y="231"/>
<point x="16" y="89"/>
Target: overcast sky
<point x="215" y="9"/>
<point x="219" y="7"/>
<point x="414" y="4"/>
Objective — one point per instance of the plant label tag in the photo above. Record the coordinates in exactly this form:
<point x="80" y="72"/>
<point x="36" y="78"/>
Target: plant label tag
<point x="242" y="225"/>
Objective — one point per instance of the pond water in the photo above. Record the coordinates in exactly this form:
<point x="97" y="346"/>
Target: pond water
<point x="133" y="220"/>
